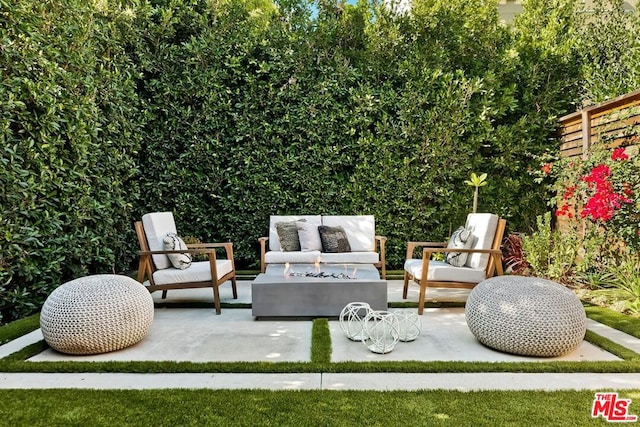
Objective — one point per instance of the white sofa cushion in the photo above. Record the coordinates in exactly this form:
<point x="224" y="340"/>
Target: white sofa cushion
<point x="198" y="272"/>
<point x="360" y="230"/>
<point x="274" y="241"/>
<point x="440" y="271"/>
<point x="280" y="257"/>
<point x="156" y="226"/>
<point x="483" y="227"/>
<point x="350" y="258"/>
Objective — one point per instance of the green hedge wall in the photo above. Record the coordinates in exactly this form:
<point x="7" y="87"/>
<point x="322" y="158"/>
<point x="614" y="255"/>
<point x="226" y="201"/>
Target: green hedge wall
<point x="69" y="124"/>
<point x="227" y="111"/>
<point x="355" y="112"/>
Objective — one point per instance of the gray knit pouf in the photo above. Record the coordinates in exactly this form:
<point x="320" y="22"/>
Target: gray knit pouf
<point x="96" y="314"/>
<point x="526" y="316"/>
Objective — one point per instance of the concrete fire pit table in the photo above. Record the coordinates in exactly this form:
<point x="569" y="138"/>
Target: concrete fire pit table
<point x="308" y="290"/>
<point x="526" y="316"/>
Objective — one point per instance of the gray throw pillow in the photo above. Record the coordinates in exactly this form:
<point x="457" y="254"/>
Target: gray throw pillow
<point x="288" y="235"/>
<point x="460" y="239"/>
<point x="334" y="239"/>
<point x="172" y="242"/>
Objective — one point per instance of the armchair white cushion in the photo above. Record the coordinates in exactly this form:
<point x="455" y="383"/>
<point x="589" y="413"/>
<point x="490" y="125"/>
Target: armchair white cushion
<point x="483" y="229"/>
<point x="198" y="272"/>
<point x="156" y="226"/>
<point x="442" y="272"/>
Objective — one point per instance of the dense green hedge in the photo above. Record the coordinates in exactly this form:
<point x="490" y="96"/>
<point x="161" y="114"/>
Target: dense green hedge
<point x="227" y="111"/>
<point x="69" y="134"/>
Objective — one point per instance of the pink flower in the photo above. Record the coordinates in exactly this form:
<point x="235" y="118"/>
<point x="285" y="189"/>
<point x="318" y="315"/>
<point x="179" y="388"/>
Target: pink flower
<point x="564" y="210"/>
<point x="569" y="192"/>
<point x="619" y="154"/>
<point x="598" y="174"/>
<point x="546" y="168"/>
<point x="603" y="204"/>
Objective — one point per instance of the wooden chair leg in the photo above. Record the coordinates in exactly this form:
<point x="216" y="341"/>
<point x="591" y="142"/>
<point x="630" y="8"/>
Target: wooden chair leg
<point x="423" y="291"/>
<point x="234" y="288"/>
<point x="216" y="299"/>
<point x="406" y="285"/>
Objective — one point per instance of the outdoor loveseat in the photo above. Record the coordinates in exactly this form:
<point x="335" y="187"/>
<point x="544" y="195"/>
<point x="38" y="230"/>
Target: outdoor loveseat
<point x="327" y="239"/>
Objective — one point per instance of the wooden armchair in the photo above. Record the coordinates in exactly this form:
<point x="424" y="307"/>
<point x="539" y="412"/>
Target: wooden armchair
<point x="156" y="268"/>
<point x="483" y="259"/>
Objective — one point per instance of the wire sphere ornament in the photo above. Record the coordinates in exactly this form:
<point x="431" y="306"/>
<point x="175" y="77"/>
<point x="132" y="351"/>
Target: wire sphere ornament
<point x="410" y="325"/>
<point x="381" y="330"/>
<point x="351" y="320"/>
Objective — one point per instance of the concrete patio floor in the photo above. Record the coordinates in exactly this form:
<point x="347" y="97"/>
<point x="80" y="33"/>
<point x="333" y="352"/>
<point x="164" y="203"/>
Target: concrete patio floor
<point x="198" y="335"/>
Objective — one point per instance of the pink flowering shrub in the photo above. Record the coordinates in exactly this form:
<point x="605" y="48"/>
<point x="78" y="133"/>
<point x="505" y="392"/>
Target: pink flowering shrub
<point x="604" y="190"/>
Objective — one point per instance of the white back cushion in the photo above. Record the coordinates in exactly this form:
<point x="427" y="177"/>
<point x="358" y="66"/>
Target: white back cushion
<point x="156" y="226"/>
<point x="483" y="227"/>
<point x="360" y="229"/>
<point x="274" y="240"/>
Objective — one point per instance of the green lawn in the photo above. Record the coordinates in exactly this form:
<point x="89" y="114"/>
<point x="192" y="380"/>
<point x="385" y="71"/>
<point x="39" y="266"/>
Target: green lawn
<point x="312" y="408"/>
<point x="299" y="408"/>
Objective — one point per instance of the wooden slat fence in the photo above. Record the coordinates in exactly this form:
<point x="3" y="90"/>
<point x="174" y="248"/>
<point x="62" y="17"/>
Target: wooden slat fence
<point x="615" y="122"/>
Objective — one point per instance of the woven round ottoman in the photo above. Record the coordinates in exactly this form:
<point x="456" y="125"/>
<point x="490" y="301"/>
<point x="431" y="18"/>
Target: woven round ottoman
<point x="526" y="316"/>
<point x="96" y="314"/>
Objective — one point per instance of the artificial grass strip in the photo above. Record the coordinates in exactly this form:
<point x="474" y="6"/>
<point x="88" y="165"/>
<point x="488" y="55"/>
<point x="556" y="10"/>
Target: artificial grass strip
<point x="18" y="328"/>
<point x="632" y="366"/>
<point x="27" y="352"/>
<point x="320" y="342"/>
<point x="610" y="346"/>
<point x="288" y="408"/>
<point x="622" y="322"/>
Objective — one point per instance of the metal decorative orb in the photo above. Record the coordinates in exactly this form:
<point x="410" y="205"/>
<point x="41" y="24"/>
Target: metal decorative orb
<point x="381" y="330"/>
<point x="351" y="318"/>
<point x="410" y="325"/>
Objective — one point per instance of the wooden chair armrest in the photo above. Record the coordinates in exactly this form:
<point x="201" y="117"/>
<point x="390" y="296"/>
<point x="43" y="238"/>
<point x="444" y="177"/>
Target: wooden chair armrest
<point x="469" y="251"/>
<point x="496" y="254"/>
<point x="209" y="245"/>
<point x="380" y="241"/>
<point x="199" y="249"/>
<point x="411" y="246"/>
<point x="228" y="247"/>
<point x="263" y="250"/>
